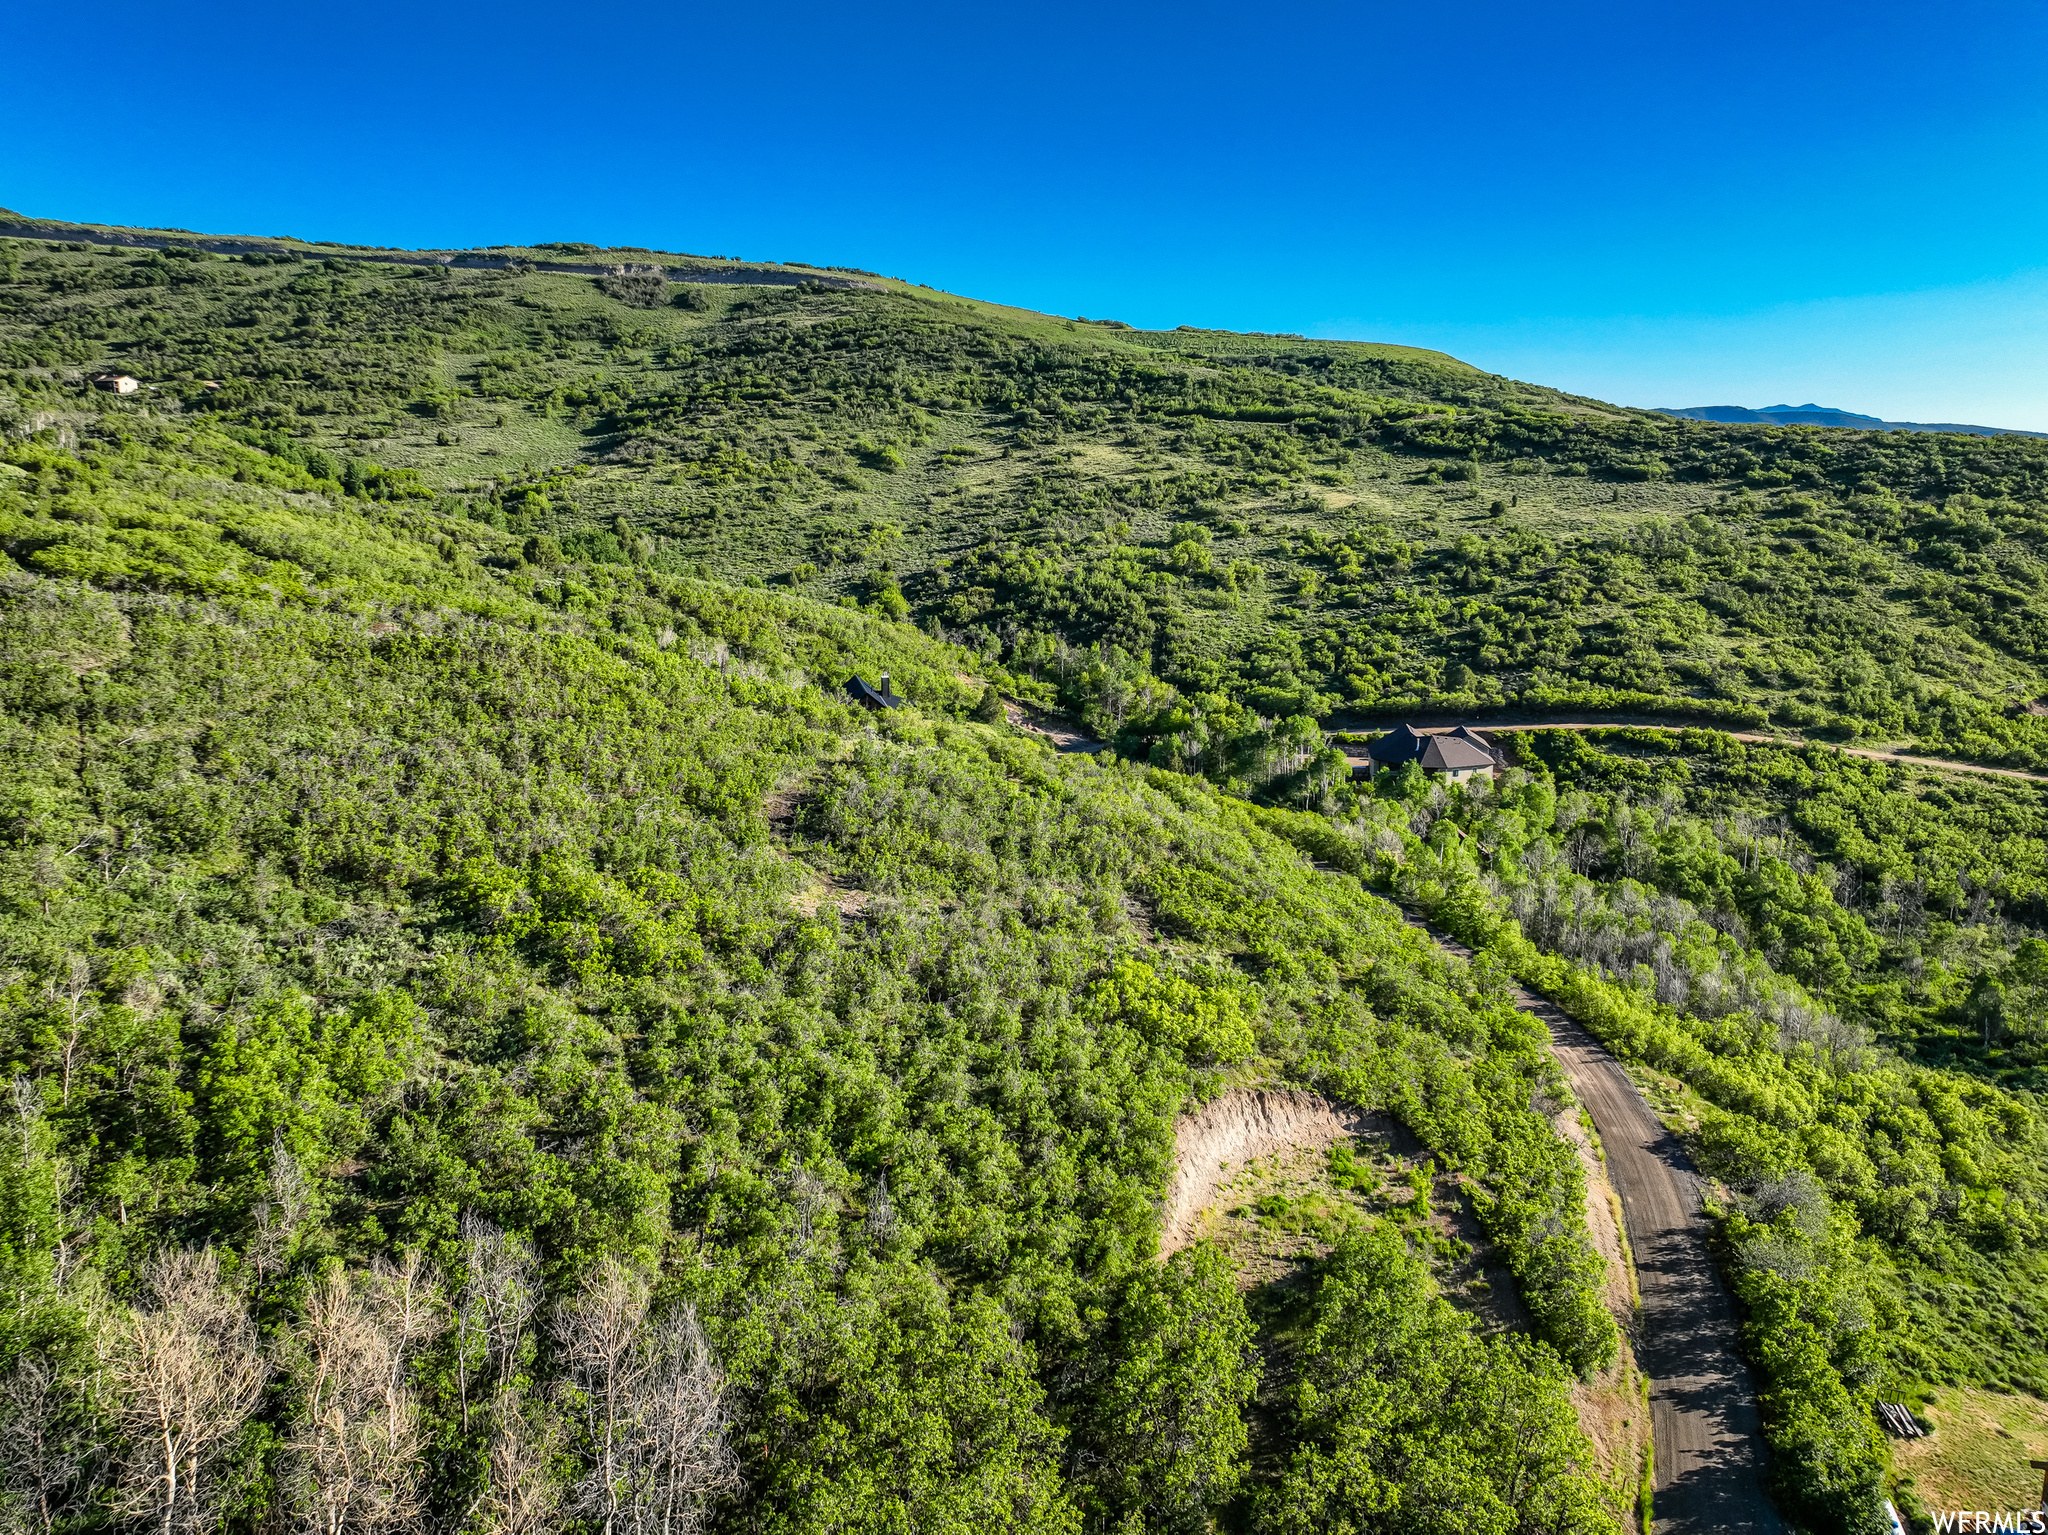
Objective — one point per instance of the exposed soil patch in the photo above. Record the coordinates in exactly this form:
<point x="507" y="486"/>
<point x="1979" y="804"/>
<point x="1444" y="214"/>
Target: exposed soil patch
<point x="1603" y="1221"/>
<point x="1253" y="1173"/>
<point x="1061" y="735"/>
<point x="1242" y="1125"/>
<point x="1613" y="1407"/>
<point x="780" y="808"/>
<point x="823" y="892"/>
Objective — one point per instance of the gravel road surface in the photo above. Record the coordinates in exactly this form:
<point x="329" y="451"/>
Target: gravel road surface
<point x="1703" y="1414"/>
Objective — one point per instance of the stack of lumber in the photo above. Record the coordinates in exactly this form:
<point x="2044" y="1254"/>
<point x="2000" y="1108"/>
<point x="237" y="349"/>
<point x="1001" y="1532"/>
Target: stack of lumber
<point x="1897" y="1421"/>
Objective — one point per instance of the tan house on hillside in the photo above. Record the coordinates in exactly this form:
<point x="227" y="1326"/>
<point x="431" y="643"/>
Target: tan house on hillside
<point x="1455" y="759"/>
<point x="1456" y="756"/>
<point x="117" y="383"/>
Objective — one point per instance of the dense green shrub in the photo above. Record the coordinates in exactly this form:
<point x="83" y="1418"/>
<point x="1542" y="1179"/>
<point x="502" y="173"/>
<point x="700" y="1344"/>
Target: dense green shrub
<point x="1856" y="1186"/>
<point x="1405" y="1420"/>
<point x="376" y="902"/>
<point x="640" y="290"/>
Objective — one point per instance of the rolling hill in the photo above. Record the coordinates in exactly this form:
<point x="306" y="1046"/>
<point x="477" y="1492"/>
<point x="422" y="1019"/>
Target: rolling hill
<point x="502" y="1041"/>
<point x="1167" y="531"/>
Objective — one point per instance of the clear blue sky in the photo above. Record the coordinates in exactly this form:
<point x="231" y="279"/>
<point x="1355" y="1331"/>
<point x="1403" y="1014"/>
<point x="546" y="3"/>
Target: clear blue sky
<point x="1658" y="205"/>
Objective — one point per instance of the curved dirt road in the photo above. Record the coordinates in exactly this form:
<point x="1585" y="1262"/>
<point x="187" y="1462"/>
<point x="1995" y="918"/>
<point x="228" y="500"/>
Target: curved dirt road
<point x="1703" y="1414"/>
<point x="1937" y="764"/>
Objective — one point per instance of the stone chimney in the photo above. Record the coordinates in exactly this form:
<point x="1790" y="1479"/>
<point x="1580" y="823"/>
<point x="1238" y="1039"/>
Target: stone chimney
<point x="885" y="685"/>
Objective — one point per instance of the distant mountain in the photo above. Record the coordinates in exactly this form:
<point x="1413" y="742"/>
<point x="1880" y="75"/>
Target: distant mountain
<point x="1823" y="415"/>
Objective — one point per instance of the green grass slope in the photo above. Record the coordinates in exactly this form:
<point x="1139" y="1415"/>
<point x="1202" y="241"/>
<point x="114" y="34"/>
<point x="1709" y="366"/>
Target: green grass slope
<point x="1178" y="533"/>
<point x="375" y="895"/>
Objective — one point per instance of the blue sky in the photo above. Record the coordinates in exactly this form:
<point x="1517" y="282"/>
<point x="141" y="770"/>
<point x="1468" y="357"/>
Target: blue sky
<point x="1656" y="205"/>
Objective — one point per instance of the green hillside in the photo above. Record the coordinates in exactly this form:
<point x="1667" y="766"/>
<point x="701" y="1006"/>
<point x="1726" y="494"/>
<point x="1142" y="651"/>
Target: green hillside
<point x="497" y="1029"/>
<point x="1166" y="528"/>
<point x="359" y="891"/>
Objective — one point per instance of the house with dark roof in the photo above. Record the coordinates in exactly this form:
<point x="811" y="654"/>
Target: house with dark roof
<point x="1401" y="744"/>
<point x="1456" y="756"/>
<point x="1456" y="760"/>
<point x="873" y="697"/>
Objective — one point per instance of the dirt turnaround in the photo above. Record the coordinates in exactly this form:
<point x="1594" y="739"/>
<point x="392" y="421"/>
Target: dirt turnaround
<point x="1703" y="1414"/>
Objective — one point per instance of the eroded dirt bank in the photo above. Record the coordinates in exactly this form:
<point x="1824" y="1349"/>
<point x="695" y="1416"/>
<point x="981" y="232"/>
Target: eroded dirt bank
<point x="1243" y="1124"/>
<point x="1253" y="1146"/>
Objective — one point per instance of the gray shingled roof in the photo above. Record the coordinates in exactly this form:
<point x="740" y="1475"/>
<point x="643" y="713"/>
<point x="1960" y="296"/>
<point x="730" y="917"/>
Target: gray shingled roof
<point x="1448" y="754"/>
<point x="1467" y="733"/>
<point x="873" y="698"/>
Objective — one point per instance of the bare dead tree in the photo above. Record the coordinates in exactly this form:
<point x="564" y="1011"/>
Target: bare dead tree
<point x="1584" y="849"/>
<point x="79" y="1012"/>
<point x="282" y="1212"/>
<point x="335" y="1446"/>
<point x="44" y="1447"/>
<point x="185" y="1371"/>
<point x="810" y="1194"/>
<point x="406" y="1298"/>
<point x="599" y="1336"/>
<point x="651" y="1399"/>
<point x="28" y="1112"/>
<point x="689" y="1451"/>
<point x="880" y="1221"/>
<point x="500" y="1292"/>
<point x="521" y="1497"/>
<point x="358" y="1449"/>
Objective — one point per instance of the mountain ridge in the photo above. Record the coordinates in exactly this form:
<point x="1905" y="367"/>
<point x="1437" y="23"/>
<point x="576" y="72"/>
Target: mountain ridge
<point x="545" y="258"/>
<point x="1825" y="415"/>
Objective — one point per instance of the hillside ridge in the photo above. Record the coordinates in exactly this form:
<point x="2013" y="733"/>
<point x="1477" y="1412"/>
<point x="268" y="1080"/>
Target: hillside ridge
<point x="1823" y="415"/>
<point x="493" y="258"/>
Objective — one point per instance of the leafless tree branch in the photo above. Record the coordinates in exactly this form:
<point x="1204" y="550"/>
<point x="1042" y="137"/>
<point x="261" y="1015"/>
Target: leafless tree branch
<point x="358" y="1448"/>
<point x="651" y="1400"/>
<point x="186" y="1371"/>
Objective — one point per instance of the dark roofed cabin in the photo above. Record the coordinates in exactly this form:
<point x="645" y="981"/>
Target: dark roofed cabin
<point x="1456" y="756"/>
<point x="1457" y="760"/>
<point x="875" y="697"/>
<point x="1401" y="744"/>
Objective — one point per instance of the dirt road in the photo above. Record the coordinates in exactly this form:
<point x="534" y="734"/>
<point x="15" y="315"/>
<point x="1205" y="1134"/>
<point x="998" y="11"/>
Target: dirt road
<point x="1938" y="764"/>
<point x="1703" y="1414"/>
<point x="1065" y="738"/>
